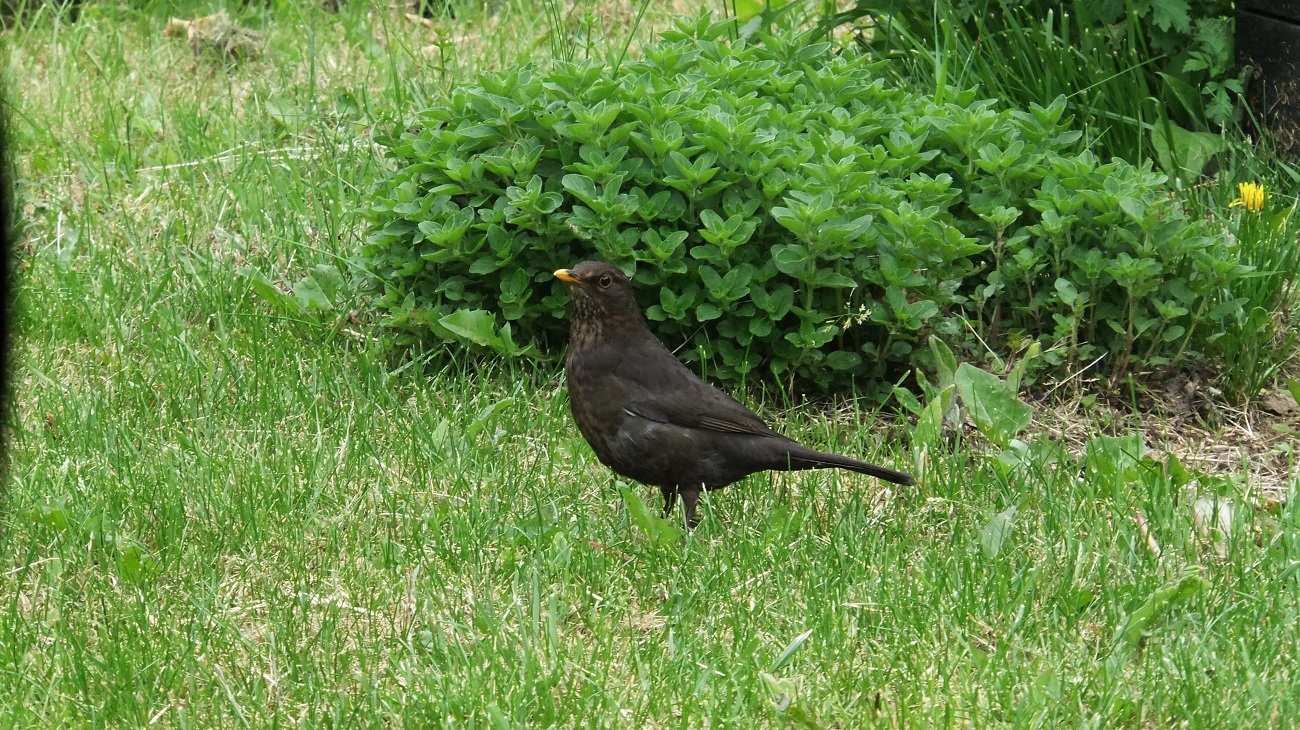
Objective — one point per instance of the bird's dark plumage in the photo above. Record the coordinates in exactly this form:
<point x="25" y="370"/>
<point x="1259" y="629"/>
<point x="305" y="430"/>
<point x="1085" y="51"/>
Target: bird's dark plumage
<point x="651" y="419"/>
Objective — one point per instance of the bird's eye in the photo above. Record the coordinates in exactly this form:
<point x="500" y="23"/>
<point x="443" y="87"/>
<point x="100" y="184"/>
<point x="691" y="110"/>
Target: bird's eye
<point x="605" y="281"/>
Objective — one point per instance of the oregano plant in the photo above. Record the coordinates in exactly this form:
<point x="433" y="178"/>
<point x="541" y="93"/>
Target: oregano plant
<point x="783" y="212"/>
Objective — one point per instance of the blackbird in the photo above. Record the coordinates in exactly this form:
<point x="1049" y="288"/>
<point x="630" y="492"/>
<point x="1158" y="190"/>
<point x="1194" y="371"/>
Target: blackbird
<point x="651" y="419"/>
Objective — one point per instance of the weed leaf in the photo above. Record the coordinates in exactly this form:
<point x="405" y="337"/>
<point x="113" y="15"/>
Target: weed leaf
<point x="994" y="407"/>
<point x="996" y="532"/>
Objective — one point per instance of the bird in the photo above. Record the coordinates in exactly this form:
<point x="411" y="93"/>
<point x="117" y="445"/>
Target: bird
<point x="650" y="419"/>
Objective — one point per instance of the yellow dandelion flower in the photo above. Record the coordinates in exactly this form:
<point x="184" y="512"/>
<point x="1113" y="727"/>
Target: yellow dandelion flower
<point x="1251" y="198"/>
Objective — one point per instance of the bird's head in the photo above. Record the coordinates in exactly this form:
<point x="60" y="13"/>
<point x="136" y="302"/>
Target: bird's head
<point x="601" y="295"/>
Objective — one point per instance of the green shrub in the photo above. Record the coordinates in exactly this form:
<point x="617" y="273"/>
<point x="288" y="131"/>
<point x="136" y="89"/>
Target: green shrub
<point x="784" y="209"/>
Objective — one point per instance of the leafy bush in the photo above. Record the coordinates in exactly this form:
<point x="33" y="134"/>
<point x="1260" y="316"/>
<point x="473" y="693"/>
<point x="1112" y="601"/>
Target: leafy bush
<point x="780" y="206"/>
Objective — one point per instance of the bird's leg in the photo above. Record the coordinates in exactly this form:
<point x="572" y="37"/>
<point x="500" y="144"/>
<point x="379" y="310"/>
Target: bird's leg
<point x="670" y="499"/>
<point x="690" y="497"/>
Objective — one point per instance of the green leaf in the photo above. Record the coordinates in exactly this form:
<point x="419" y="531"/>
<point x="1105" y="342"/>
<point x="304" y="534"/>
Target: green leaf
<point x="485" y="416"/>
<point x="790" y="259"/>
<point x="661" y="532"/>
<point x="134" y="565"/>
<point x="843" y="360"/>
<point x="54" y="514"/>
<point x="789" y="651"/>
<point x="1114" y="457"/>
<point x="826" y="277"/>
<point x="581" y="186"/>
<point x="498" y="718"/>
<point x="1017" y="373"/>
<point x="909" y="402"/>
<point x="992" y="404"/>
<point x="262" y="286"/>
<point x="1135" y="208"/>
<point x="995" y="532"/>
<point x="1171" y="14"/>
<point x="782" y="691"/>
<point x="476" y="325"/>
<point x="310" y="296"/>
<point x="1293" y="385"/>
<point x="1078" y="599"/>
<point x="1066" y="290"/>
<point x="1163" y="600"/>
<point x="944" y="361"/>
<point x="284" y="113"/>
<point x="929" y="425"/>
<point x="329" y="281"/>
<point x="746" y="9"/>
<point x="1182" y="153"/>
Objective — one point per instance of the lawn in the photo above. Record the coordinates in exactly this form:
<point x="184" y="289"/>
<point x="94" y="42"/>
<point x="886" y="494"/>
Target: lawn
<point x="220" y="514"/>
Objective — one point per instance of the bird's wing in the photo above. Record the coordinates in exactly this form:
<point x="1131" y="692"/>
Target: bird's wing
<point x="659" y="387"/>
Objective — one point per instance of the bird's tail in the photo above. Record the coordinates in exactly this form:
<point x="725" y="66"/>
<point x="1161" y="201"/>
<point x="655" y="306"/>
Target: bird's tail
<point x="805" y="458"/>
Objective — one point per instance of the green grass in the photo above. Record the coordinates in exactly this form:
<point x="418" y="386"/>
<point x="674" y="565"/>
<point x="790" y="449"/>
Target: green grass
<point x="220" y="516"/>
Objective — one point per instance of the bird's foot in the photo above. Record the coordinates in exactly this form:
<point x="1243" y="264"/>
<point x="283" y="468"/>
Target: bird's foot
<point x="691" y="497"/>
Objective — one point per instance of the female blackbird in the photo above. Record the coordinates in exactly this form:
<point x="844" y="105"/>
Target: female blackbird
<point x="651" y="419"/>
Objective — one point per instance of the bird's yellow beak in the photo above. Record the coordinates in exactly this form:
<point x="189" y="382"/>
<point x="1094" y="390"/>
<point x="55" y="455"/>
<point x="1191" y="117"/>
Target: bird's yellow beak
<point x="567" y="276"/>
